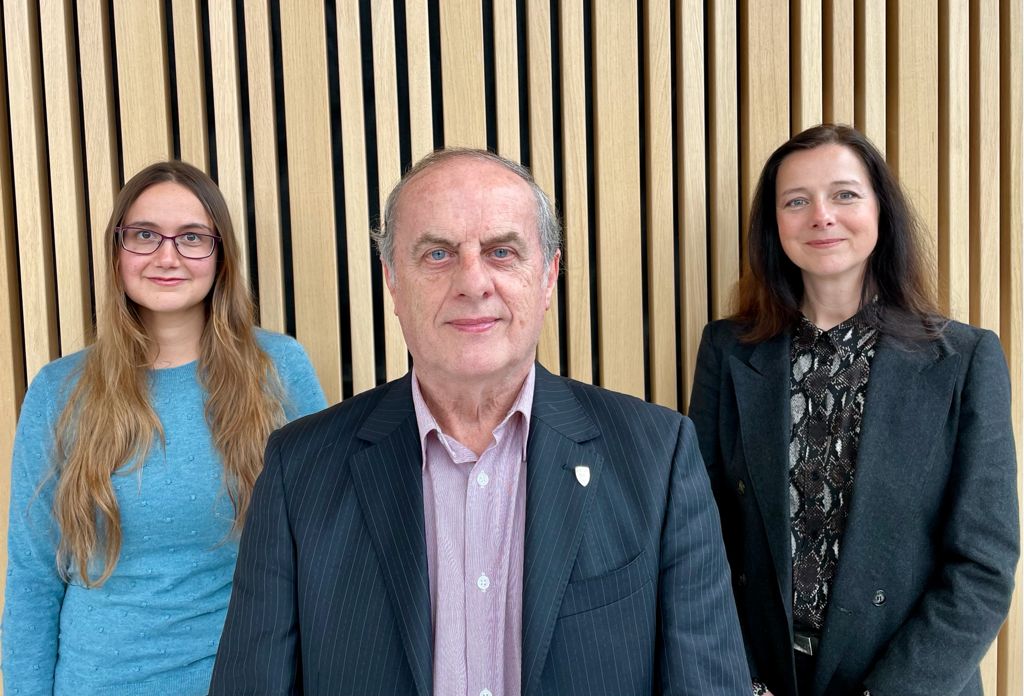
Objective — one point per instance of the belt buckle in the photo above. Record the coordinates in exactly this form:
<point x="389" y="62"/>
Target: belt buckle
<point x="805" y="644"/>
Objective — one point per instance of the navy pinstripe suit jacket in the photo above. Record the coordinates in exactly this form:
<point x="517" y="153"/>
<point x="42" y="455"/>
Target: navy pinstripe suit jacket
<point x="626" y="586"/>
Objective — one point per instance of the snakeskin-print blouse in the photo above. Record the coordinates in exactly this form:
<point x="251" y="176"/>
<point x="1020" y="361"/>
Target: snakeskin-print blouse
<point x="829" y="381"/>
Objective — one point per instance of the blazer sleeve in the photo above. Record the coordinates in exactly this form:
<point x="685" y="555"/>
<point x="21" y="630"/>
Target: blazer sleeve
<point x="939" y="647"/>
<point x="259" y="648"/>
<point x="700" y="650"/>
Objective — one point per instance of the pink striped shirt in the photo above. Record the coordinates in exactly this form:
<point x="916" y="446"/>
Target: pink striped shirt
<point x="474" y="510"/>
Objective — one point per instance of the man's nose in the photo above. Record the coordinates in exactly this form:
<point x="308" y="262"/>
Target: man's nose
<point x="472" y="277"/>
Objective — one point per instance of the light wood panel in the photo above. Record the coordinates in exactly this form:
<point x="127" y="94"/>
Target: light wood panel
<point x="506" y="77"/>
<point x="144" y="105"/>
<point x="421" y="125"/>
<point x="542" y="145"/>
<point x="31" y="190"/>
<point x="357" y="215"/>
<point x="691" y="157"/>
<point x="227" y="115"/>
<point x="101" y="162"/>
<point x="806" y="64"/>
<point x="311" y="190"/>
<point x="388" y="160"/>
<point x="462" y="75"/>
<point x="870" y="46"/>
<point x="67" y="196"/>
<point x="190" y="82"/>
<point x="575" y="203"/>
<point x="264" y="165"/>
<point x="617" y="178"/>
<point x="838" y="60"/>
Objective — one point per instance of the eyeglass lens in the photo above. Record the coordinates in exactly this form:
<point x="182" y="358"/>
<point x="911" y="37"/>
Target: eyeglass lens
<point x="191" y="245"/>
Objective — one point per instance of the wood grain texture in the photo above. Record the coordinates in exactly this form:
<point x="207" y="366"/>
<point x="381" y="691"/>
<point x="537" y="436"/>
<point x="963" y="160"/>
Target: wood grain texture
<point x="31" y="187"/>
<point x="142" y="83"/>
<point x="421" y="120"/>
<point x="617" y="178"/>
<point x="506" y="76"/>
<point x="984" y="167"/>
<point x="870" y="70"/>
<point x="67" y="188"/>
<point x="357" y="215"/>
<point x="264" y="165"/>
<point x="723" y="156"/>
<point x="954" y="246"/>
<point x="575" y="203"/>
<point x="389" y="166"/>
<point x="691" y="157"/>
<point x="311" y="191"/>
<point x="838" y="61"/>
<point x="806" y="60"/>
<point x="462" y="73"/>
<point x="190" y="82"/>
<point x="542" y="145"/>
<point x="659" y="206"/>
<point x="100" y="138"/>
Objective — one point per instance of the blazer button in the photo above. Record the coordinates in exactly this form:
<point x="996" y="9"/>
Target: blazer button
<point x="879" y="598"/>
<point x="741" y="487"/>
<point x="741" y="580"/>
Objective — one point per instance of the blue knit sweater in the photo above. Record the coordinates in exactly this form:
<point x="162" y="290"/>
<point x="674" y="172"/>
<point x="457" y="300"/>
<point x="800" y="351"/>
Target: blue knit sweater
<point x="153" y="627"/>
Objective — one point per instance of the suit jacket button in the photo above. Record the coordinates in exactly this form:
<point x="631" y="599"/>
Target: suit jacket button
<point x="741" y="580"/>
<point x="879" y="598"/>
<point x="741" y="487"/>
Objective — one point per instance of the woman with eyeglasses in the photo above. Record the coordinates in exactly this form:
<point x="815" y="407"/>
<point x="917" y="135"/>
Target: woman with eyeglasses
<point x="134" y="459"/>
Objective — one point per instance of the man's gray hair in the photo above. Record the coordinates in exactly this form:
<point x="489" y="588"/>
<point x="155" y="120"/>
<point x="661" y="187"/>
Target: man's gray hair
<point x="549" y="229"/>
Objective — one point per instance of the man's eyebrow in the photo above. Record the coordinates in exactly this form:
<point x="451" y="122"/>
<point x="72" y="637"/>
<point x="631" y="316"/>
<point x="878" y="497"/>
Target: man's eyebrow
<point x="431" y="239"/>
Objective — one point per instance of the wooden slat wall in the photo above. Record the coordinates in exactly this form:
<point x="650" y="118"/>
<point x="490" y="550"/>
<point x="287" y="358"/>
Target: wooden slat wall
<point x="649" y="123"/>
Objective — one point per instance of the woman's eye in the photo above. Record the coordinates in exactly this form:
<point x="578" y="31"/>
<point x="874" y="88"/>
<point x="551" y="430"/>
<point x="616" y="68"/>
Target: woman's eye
<point x="796" y="203"/>
<point x="438" y="255"/>
<point x="143" y="234"/>
<point x="846" y="195"/>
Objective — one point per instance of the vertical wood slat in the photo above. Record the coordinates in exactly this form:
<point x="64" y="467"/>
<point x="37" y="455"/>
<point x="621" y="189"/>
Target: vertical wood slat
<point x="984" y="166"/>
<point x="913" y="109"/>
<point x="32" y="204"/>
<point x="506" y="77"/>
<point x="723" y="156"/>
<point x="659" y="205"/>
<point x="227" y="113"/>
<point x="144" y="101"/>
<point x="691" y="156"/>
<point x="806" y="64"/>
<point x="617" y="177"/>
<point x="462" y="75"/>
<point x="419" y="80"/>
<point x="954" y="159"/>
<point x="357" y="216"/>
<point x="67" y="194"/>
<point x="389" y="168"/>
<point x="542" y="145"/>
<point x="838" y="61"/>
<point x="311" y="191"/>
<point x="1011" y="28"/>
<point x="764" y="90"/>
<point x="575" y="204"/>
<point x="870" y="68"/>
<point x="190" y="82"/>
<point x="12" y="366"/>
<point x="96" y="75"/>
<point x="264" y="164"/>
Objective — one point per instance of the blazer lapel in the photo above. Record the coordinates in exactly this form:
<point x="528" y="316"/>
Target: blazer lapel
<point x="556" y="511"/>
<point x="389" y="484"/>
<point x="762" y="394"/>
<point x="908" y="395"/>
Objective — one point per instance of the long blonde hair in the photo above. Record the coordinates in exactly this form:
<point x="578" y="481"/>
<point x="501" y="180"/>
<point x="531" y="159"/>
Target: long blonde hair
<point x="109" y="423"/>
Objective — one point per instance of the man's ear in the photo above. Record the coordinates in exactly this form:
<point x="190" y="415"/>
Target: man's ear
<point x="552" y="277"/>
<point x="389" y="280"/>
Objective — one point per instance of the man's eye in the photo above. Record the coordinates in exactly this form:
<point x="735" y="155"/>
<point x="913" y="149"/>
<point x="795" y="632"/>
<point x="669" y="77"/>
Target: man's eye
<point x="502" y="253"/>
<point x="438" y="255"/>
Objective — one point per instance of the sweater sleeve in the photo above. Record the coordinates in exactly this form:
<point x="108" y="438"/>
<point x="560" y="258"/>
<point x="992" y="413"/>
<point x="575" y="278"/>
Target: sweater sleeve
<point x="302" y="391"/>
<point x="34" y="590"/>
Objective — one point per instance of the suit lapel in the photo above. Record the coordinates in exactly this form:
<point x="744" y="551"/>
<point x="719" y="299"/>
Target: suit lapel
<point x="908" y="396"/>
<point x="389" y="484"/>
<point x="762" y="394"/>
<point x="556" y="507"/>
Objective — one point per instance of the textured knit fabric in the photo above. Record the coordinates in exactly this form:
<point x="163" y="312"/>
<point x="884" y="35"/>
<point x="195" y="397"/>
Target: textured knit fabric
<point x="474" y="512"/>
<point x="153" y="627"/>
<point x="830" y="372"/>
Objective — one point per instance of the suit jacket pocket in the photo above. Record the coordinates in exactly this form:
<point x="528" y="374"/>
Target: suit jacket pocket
<point x="600" y="591"/>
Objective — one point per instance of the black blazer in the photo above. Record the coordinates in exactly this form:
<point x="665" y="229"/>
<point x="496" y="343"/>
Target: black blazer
<point x="626" y="588"/>
<point x="926" y="563"/>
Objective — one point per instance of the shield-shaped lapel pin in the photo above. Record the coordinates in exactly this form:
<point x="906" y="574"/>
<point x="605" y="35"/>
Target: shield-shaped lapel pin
<point x="582" y="474"/>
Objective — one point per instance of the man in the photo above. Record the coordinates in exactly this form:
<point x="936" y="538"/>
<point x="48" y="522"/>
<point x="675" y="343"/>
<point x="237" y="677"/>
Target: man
<point x="480" y="527"/>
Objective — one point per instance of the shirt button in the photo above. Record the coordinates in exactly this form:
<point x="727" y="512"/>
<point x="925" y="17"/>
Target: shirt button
<point x="481" y="480"/>
<point x="879" y="598"/>
<point x="486" y="692"/>
<point x="483" y="582"/>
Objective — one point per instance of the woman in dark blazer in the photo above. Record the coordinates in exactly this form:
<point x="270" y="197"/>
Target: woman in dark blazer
<point x="859" y="444"/>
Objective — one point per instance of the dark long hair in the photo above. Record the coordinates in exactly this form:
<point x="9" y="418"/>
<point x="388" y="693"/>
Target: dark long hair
<point x="771" y="293"/>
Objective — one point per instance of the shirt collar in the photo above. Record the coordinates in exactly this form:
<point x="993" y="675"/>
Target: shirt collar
<point x="523" y="405"/>
<point x="854" y="333"/>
